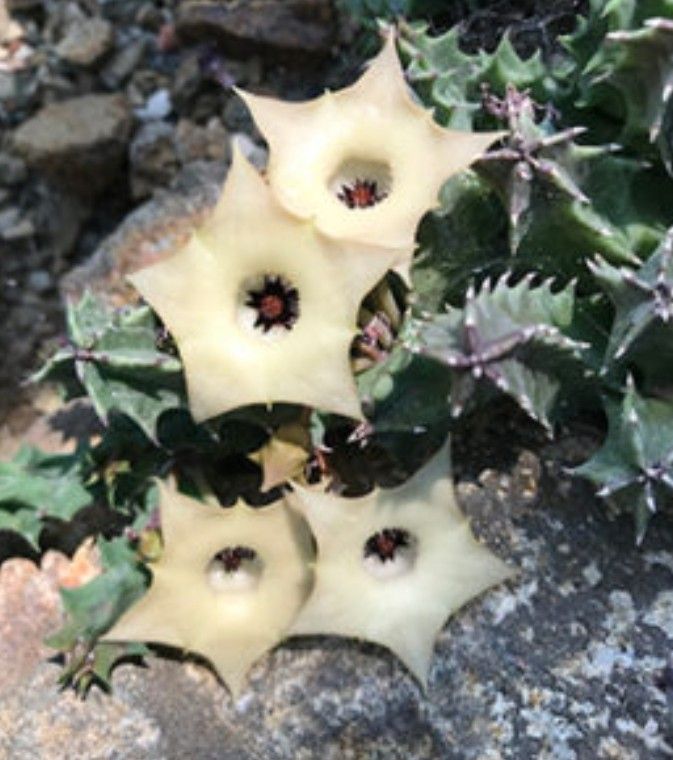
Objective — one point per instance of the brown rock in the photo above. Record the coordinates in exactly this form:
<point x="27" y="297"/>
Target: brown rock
<point x="153" y="158"/>
<point x="80" y="142"/>
<point x="150" y="233"/>
<point x="296" y="29"/>
<point x="86" y="41"/>
<point x="30" y="608"/>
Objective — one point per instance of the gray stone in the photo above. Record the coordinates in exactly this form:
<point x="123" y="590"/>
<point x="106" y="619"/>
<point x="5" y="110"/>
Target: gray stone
<point x="149" y="17"/>
<point x="551" y="666"/>
<point x="80" y="142"/>
<point x="158" y="106"/>
<point x="196" y="143"/>
<point x="151" y="232"/>
<point x="295" y="29"/>
<point x="40" y="281"/>
<point x="124" y="63"/>
<point x="86" y="41"/>
<point x="13" y="170"/>
<point x="153" y="158"/>
<point x="24" y="228"/>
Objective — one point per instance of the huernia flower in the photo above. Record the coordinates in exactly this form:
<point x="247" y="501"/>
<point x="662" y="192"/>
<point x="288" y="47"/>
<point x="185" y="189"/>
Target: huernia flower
<point x="261" y="306"/>
<point x="227" y="585"/>
<point x="365" y="162"/>
<point x="393" y="565"/>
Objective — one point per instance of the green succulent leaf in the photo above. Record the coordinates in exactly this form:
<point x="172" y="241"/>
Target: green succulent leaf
<point x="35" y="487"/>
<point x="83" y="670"/>
<point x="405" y="393"/>
<point x="461" y="242"/>
<point x="452" y="81"/>
<point x="643" y="302"/>
<point x="515" y="337"/>
<point x="634" y="469"/>
<point x="94" y="607"/>
<point x="117" y="362"/>
<point x="630" y="77"/>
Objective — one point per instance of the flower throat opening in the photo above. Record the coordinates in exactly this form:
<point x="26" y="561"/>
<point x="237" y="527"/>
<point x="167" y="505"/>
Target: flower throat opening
<point x="271" y="302"/>
<point x="234" y="568"/>
<point x="389" y="553"/>
<point x="360" y="184"/>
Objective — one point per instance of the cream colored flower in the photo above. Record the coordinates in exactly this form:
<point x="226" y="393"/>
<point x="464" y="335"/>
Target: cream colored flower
<point x="262" y="307"/>
<point x="393" y="565"/>
<point x="365" y="162"/>
<point x="227" y="586"/>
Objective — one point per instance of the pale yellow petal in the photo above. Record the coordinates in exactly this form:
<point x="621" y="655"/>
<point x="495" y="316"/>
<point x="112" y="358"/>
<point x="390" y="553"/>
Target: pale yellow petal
<point x="201" y="292"/>
<point x="375" y="131"/>
<point x="231" y="624"/>
<point x="403" y="611"/>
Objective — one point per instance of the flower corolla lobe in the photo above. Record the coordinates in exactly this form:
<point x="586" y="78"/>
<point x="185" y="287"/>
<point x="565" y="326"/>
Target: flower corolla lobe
<point x="371" y="132"/>
<point x="235" y="355"/>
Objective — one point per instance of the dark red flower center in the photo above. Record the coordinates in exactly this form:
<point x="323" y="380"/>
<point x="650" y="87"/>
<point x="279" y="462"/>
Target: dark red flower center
<point x="276" y="303"/>
<point x="386" y="542"/>
<point x="271" y="306"/>
<point x="234" y="556"/>
<point x="362" y="193"/>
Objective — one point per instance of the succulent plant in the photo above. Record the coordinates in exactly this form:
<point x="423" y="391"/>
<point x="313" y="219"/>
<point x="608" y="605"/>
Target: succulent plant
<point x="92" y="608"/>
<point x="317" y="340"/>
<point x="633" y="470"/>
<point x="630" y="76"/>
<point x="38" y="488"/>
<point x="643" y="302"/>
<point x="511" y="336"/>
<point x="113" y="358"/>
<point x="452" y="81"/>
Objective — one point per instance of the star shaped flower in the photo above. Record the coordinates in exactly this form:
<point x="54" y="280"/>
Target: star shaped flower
<point x="393" y="565"/>
<point x="365" y="162"/>
<point x="262" y="307"/>
<point x="227" y="586"/>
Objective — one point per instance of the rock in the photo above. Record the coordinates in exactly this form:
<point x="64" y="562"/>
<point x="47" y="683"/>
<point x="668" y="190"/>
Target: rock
<point x="148" y="234"/>
<point x="149" y="17"/>
<point x="86" y="41"/>
<point x="158" y="106"/>
<point x="40" y="281"/>
<point x="80" y="142"/>
<point x="30" y="608"/>
<point x="250" y="149"/>
<point x="293" y="29"/>
<point x="124" y="63"/>
<point x="21" y="230"/>
<point x="13" y="170"/>
<point x="549" y="666"/>
<point x="195" y="143"/>
<point x="153" y="158"/>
